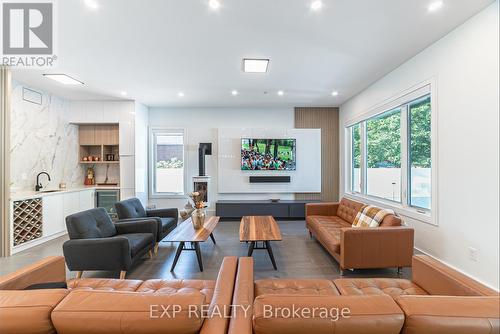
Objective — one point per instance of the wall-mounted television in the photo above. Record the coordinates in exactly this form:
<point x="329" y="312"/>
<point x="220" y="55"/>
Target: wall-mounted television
<point x="268" y="154"/>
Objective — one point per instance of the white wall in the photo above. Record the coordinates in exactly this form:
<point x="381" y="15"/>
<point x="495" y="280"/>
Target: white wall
<point x="201" y="125"/>
<point x="465" y="65"/>
<point x="305" y="179"/>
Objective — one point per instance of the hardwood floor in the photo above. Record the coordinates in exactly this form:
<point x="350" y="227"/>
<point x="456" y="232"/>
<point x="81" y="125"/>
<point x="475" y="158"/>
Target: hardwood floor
<point x="297" y="256"/>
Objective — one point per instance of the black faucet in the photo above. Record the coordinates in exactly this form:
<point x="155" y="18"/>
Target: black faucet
<point x="38" y="184"/>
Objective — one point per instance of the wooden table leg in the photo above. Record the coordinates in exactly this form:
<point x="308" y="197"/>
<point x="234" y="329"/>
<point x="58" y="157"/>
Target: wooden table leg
<point x="213" y="239"/>
<point x="250" y="248"/>
<point x="177" y="254"/>
<point x="270" y="251"/>
<point x="198" y="255"/>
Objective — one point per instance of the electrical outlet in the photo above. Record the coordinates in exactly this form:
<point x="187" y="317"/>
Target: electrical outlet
<point x="473" y="254"/>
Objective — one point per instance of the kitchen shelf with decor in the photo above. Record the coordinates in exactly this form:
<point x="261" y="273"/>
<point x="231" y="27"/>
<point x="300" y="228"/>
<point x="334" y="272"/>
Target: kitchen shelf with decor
<point x="99" y="143"/>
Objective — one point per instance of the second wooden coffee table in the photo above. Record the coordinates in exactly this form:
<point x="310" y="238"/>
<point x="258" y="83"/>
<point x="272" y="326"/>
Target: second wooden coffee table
<point x="185" y="232"/>
<point x="260" y="228"/>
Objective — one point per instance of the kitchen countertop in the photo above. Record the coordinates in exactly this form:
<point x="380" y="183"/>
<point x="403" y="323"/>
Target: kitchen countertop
<point x="22" y="195"/>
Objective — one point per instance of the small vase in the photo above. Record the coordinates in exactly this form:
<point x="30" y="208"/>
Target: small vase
<point x="198" y="218"/>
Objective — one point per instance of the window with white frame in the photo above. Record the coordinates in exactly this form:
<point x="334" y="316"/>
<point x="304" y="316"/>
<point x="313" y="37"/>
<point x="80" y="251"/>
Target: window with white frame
<point x="167" y="162"/>
<point x="390" y="152"/>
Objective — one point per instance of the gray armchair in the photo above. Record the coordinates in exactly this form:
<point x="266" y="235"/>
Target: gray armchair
<point x="132" y="209"/>
<point x="98" y="244"/>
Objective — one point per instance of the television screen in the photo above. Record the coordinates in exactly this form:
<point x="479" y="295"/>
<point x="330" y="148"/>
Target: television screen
<point x="267" y="154"/>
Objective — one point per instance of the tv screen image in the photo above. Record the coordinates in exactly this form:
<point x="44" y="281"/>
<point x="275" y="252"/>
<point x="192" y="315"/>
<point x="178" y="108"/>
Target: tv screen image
<point x="267" y="154"/>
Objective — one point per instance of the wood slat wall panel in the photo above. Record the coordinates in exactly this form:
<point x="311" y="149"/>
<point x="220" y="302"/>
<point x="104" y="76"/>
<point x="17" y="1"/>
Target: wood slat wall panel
<point x="326" y="119"/>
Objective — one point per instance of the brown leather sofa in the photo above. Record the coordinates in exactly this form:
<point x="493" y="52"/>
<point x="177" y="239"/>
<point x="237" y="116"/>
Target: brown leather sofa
<point x="386" y="246"/>
<point x="91" y="305"/>
<point x="437" y="300"/>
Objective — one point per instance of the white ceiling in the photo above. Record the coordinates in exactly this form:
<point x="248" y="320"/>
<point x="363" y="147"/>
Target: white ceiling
<point x="154" y="49"/>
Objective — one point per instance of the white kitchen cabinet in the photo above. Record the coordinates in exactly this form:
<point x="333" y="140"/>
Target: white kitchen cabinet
<point x="53" y="221"/>
<point x="127" y="171"/>
<point x="87" y="199"/>
<point x="71" y="203"/>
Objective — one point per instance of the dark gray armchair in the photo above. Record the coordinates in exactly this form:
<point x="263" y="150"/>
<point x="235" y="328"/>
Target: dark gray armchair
<point x="98" y="244"/>
<point x="132" y="209"/>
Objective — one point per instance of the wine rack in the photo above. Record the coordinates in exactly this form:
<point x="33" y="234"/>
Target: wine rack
<point x="27" y="220"/>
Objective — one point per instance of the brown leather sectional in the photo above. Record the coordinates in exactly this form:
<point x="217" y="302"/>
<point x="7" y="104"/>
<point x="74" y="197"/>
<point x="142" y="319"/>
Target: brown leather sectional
<point x="437" y="300"/>
<point x="389" y="245"/>
<point x="91" y="305"/>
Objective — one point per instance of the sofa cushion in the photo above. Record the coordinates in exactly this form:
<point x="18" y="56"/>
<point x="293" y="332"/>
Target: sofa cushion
<point x="94" y="223"/>
<point x="206" y="287"/>
<point x="138" y="241"/>
<point x="377" y="286"/>
<point x="294" y="286"/>
<point x="104" y="284"/>
<point x="122" y="312"/>
<point x="168" y="223"/>
<point x="130" y="208"/>
<point x="348" y="209"/>
<point x="284" y="314"/>
<point x="28" y="311"/>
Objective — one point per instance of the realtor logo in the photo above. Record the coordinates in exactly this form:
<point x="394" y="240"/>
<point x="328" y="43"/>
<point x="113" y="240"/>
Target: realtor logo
<point x="27" y="29"/>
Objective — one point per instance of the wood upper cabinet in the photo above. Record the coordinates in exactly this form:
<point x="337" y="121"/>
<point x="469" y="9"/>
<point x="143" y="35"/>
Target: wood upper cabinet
<point x="87" y="135"/>
<point x="109" y="135"/>
<point x="99" y="135"/>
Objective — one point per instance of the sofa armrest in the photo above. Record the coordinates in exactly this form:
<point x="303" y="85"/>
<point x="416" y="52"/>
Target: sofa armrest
<point x="321" y="209"/>
<point x="274" y="314"/>
<point x="148" y="225"/>
<point x="29" y="311"/>
<point x="241" y="320"/>
<point x="450" y="314"/>
<point x="163" y="213"/>
<point x="50" y="269"/>
<point x="376" y="247"/>
<point x="220" y="306"/>
<point x="97" y="254"/>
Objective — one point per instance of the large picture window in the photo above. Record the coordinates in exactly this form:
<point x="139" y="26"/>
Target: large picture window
<point x="167" y="162"/>
<point x="390" y="154"/>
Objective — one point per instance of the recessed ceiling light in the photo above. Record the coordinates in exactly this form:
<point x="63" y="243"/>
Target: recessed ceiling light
<point x="93" y="4"/>
<point x="180" y="94"/>
<point x="234" y="92"/>
<point x="255" y="65"/>
<point x="434" y="6"/>
<point x="335" y="93"/>
<point x="316" y="5"/>
<point x="64" y="79"/>
<point x="123" y="93"/>
<point x="281" y="93"/>
<point x="214" y="4"/>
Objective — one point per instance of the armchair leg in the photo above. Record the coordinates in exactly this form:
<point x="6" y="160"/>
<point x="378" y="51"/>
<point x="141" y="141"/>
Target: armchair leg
<point x="79" y="274"/>
<point x="150" y="254"/>
<point x="400" y="271"/>
<point x="122" y="274"/>
<point x="341" y="272"/>
<point x="156" y="247"/>
<point x="310" y="234"/>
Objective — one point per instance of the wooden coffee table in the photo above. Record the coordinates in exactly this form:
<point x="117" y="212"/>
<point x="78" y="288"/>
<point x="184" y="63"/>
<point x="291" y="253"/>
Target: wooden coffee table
<point x="260" y="228"/>
<point x="185" y="232"/>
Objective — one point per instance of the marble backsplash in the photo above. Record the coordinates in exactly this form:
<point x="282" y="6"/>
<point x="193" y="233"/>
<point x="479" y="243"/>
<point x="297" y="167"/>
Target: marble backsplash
<point x="43" y="140"/>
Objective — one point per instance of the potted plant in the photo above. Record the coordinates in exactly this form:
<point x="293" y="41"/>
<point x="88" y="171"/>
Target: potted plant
<point x="198" y="215"/>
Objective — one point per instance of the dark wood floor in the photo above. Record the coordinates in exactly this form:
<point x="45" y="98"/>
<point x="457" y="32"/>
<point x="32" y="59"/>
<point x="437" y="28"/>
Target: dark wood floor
<point x="297" y="256"/>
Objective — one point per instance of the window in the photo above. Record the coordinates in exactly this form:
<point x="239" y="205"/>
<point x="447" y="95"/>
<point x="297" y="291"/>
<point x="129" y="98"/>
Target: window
<point x="167" y="162"/>
<point x="383" y="155"/>
<point x="419" y="118"/>
<point x="356" y="158"/>
<point x="390" y="152"/>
